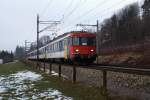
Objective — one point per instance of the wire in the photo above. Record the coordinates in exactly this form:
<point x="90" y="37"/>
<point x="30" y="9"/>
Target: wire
<point x="97" y="6"/>
<point x="46" y="7"/>
<point x="77" y="6"/>
<point x="108" y="8"/>
<point x="104" y="10"/>
<point x="70" y="4"/>
<point x="89" y="11"/>
<point x="69" y="14"/>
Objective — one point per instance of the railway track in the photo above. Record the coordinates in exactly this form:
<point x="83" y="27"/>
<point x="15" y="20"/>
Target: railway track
<point x="139" y="70"/>
<point x="121" y="68"/>
<point x="112" y="67"/>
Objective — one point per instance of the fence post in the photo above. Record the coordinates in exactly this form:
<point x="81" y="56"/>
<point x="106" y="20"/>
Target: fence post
<point x="44" y="67"/>
<point x="59" y="70"/>
<point x="50" y="68"/>
<point x="39" y="66"/>
<point x="74" y="74"/>
<point x="104" y="82"/>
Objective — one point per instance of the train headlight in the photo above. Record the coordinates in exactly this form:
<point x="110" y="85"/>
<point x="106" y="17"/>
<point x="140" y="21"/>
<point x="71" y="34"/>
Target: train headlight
<point x="77" y="50"/>
<point x="92" y="50"/>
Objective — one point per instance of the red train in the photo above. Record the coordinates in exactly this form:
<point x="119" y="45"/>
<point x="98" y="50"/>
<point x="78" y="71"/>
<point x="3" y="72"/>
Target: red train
<point x="73" y="47"/>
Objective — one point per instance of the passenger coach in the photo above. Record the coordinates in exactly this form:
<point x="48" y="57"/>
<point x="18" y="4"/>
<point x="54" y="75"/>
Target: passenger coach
<point x="72" y="47"/>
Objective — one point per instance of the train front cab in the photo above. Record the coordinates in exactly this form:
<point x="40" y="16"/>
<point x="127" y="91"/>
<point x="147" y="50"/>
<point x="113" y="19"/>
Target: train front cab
<point x="81" y="47"/>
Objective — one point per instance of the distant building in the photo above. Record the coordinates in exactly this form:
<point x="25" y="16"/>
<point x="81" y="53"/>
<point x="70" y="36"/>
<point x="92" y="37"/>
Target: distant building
<point x="1" y="61"/>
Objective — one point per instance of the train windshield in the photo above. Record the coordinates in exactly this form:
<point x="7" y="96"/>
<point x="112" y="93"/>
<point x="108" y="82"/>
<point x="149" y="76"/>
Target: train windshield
<point x="84" y="41"/>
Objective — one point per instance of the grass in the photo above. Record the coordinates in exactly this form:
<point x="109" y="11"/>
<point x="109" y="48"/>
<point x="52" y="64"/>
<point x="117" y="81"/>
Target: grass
<point x="11" y="68"/>
<point x="77" y="91"/>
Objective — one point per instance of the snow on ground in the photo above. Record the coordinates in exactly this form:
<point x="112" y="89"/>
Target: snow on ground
<point x="56" y="74"/>
<point x="1" y="98"/>
<point x="20" y="86"/>
<point x="31" y="76"/>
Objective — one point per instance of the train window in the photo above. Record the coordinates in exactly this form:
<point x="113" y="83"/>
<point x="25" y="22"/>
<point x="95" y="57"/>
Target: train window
<point x="52" y="47"/>
<point x="87" y="41"/>
<point x="91" y="41"/>
<point x="57" y="46"/>
<point x="69" y="41"/>
<point x="62" y="44"/>
<point x="75" y="41"/>
<point x="84" y="41"/>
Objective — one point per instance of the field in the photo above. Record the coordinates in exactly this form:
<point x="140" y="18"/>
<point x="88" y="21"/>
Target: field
<point x="18" y="81"/>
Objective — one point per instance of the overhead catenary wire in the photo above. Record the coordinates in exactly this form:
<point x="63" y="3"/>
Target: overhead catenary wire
<point x="89" y="11"/>
<point x="77" y="6"/>
<point x="104" y="10"/>
<point x="72" y="11"/>
<point x="60" y="13"/>
<point x="92" y="9"/>
<point x="103" y="13"/>
<point x="46" y="7"/>
<point x="69" y="5"/>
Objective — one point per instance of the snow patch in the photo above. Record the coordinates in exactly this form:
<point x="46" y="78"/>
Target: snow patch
<point x="31" y="76"/>
<point x="51" y="94"/>
<point x="21" y="82"/>
<point x="1" y="98"/>
<point x="54" y="73"/>
<point x="17" y="81"/>
<point x="3" y="89"/>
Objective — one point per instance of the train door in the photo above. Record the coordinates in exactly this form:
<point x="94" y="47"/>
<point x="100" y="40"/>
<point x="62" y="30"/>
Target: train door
<point x="65" y="49"/>
<point x="67" y="44"/>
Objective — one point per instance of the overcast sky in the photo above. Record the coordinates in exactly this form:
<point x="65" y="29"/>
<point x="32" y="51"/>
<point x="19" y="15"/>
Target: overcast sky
<point x="18" y="17"/>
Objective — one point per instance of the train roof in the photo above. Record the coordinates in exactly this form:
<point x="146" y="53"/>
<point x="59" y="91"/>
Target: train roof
<point x="76" y="32"/>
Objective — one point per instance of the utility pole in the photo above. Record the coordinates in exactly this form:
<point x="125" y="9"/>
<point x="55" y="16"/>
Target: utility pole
<point x="37" y="37"/>
<point x="50" y="24"/>
<point x="25" y="48"/>
<point x="97" y="40"/>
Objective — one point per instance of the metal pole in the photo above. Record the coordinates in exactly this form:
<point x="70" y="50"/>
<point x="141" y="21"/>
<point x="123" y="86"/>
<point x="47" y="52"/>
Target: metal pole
<point x="37" y="41"/>
<point x="25" y="48"/>
<point x="37" y="37"/>
<point x="97" y="41"/>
